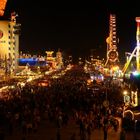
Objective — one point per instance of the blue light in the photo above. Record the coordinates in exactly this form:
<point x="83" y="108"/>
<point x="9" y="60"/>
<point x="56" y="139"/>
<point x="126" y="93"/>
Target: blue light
<point x="30" y="61"/>
<point x="27" y="60"/>
<point x="136" y="73"/>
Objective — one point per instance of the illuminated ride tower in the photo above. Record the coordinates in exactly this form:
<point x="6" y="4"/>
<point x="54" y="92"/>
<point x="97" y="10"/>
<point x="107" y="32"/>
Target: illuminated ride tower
<point x="136" y="52"/>
<point x="112" y="53"/>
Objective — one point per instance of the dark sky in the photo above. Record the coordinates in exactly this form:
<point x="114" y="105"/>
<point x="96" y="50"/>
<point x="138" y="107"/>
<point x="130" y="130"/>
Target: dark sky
<point x="73" y="26"/>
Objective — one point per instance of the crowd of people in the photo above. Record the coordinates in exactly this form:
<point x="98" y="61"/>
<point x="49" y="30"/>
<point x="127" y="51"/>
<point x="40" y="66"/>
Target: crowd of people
<point x="64" y="99"/>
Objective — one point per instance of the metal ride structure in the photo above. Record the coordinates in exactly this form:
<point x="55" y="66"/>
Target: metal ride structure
<point x="112" y="53"/>
<point x="136" y="52"/>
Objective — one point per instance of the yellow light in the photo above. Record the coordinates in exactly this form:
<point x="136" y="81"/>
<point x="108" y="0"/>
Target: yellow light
<point x="115" y="68"/>
<point x="125" y="92"/>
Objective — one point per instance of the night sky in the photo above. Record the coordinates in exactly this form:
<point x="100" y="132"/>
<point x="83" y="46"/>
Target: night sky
<point x="74" y="27"/>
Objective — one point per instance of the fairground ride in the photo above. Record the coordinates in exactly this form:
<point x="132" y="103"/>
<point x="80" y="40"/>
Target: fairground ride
<point x="112" y="53"/>
<point x="111" y="67"/>
<point x="136" y="52"/>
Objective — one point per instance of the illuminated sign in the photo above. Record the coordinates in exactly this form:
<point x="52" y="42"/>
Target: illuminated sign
<point x="126" y="99"/>
<point x="31" y="62"/>
<point x="25" y="61"/>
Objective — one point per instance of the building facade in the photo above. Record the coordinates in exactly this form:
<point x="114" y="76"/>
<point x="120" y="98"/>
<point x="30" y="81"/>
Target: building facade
<point x="9" y="46"/>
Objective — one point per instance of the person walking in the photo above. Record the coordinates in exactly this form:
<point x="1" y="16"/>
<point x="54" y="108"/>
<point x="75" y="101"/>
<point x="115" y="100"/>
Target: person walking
<point x="58" y="136"/>
<point x="89" y="131"/>
<point x="122" y="134"/>
<point x="73" y="136"/>
<point x="105" y="127"/>
<point x="2" y="134"/>
<point x="105" y="131"/>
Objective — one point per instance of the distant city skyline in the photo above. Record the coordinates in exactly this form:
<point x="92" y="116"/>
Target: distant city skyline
<point x="75" y="28"/>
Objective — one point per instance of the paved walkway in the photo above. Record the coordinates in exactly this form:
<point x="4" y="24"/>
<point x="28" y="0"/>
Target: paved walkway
<point x="47" y="131"/>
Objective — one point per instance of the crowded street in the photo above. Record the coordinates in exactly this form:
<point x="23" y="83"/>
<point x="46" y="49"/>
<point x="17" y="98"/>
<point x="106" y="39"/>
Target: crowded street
<point x="69" y="71"/>
<point x="65" y="107"/>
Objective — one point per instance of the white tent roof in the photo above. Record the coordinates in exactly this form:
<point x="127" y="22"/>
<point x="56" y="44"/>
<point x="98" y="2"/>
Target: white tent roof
<point x="26" y="72"/>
